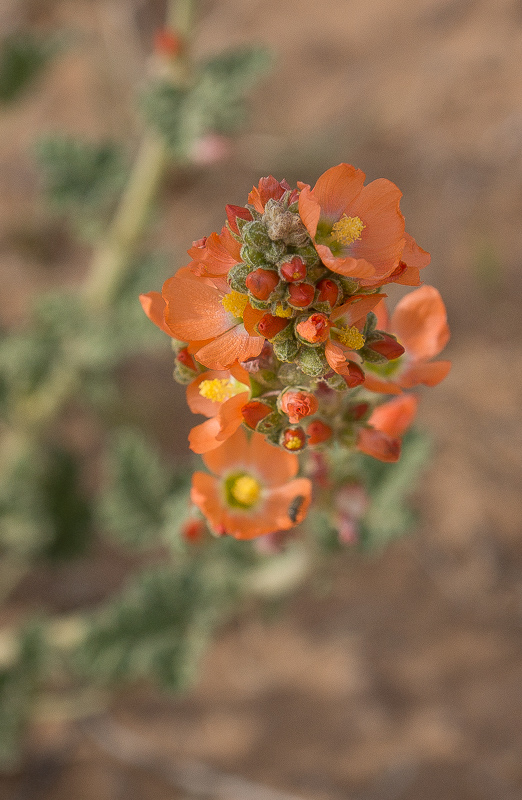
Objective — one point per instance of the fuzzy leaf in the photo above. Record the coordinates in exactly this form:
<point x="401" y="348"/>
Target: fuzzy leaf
<point x="82" y="179"/>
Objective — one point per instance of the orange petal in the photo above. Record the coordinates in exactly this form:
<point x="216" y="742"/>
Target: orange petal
<point x="234" y="345"/>
<point x="215" y="431"/>
<point x="232" y="454"/>
<point x="287" y="505"/>
<point x="153" y="305"/>
<point x="379" y="445"/>
<point x="337" y="189"/>
<point x="409" y="277"/>
<point x="309" y="210"/>
<point x="382" y="240"/>
<point x="413" y="255"/>
<point x="194" y="308"/>
<point x="430" y="373"/>
<point x="251" y="316"/>
<point x="356" y="309"/>
<point x="375" y="384"/>
<point x="271" y="463"/>
<point x="396" y="416"/>
<point x="335" y="357"/>
<point x="206" y="495"/>
<point x="202" y="438"/>
<point x="348" y="266"/>
<point x="420" y="323"/>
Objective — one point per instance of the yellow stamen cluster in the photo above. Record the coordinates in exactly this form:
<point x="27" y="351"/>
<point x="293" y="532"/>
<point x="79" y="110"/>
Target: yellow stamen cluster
<point x="217" y="390"/>
<point x="293" y="443"/>
<point x="347" y="230"/>
<point x="235" y="303"/>
<point x="351" y="337"/>
<point x="245" y="490"/>
<point x="282" y="312"/>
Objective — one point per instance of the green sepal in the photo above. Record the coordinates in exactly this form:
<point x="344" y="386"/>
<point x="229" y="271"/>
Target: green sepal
<point x="255" y="258"/>
<point x="372" y="356"/>
<point x="312" y="361"/>
<point x="285" y="348"/>
<point x="237" y="276"/>
<point x="335" y="381"/>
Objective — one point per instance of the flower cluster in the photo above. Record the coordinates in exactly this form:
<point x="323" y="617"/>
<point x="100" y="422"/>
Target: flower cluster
<point x="282" y="335"/>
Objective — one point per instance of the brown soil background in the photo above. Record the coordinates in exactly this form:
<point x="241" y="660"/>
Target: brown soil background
<point x="405" y="681"/>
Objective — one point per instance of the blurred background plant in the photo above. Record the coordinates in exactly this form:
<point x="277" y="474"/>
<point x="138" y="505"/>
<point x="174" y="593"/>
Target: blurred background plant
<point x="180" y="583"/>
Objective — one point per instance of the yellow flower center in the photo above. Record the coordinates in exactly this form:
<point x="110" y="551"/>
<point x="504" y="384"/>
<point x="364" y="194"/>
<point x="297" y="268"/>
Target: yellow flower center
<point x="293" y="443"/>
<point x="347" y="230"/>
<point x="235" y="303"/>
<point x="351" y="337"/>
<point x="282" y="312"/>
<point x="245" y="490"/>
<point x="218" y="390"/>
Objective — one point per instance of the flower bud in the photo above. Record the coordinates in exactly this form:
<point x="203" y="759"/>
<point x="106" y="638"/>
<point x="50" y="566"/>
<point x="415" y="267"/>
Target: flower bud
<point x="185" y="368"/>
<point x="355" y="375"/>
<point x="387" y="346"/>
<point x="167" y="43"/>
<point x="318" y="432"/>
<point x="293" y="439"/>
<point x="269" y="326"/>
<point x="312" y="362"/>
<point x="193" y="530"/>
<point x="315" y="329"/>
<point x="294" y="270"/>
<point x="254" y="258"/>
<point x="298" y="404"/>
<point x="254" y="411"/>
<point x="301" y="295"/>
<point x="328" y="292"/>
<point x="256" y="235"/>
<point x="261" y="283"/>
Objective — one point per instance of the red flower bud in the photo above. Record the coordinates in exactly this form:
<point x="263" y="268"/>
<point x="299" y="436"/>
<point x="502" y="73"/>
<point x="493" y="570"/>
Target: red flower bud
<point x="167" y="43"/>
<point x="294" y="270"/>
<point x="269" y="326"/>
<point x="254" y="412"/>
<point x="184" y="357"/>
<point x="314" y="329"/>
<point x="328" y="292"/>
<point x="293" y="439"/>
<point x="193" y="530"/>
<point x="359" y="411"/>
<point x="261" y="283"/>
<point x="355" y="375"/>
<point x="298" y="405"/>
<point x="318" y="432"/>
<point x="388" y="347"/>
<point x="301" y="294"/>
<point x="233" y="212"/>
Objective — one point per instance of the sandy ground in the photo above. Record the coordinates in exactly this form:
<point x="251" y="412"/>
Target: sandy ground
<point x="404" y="681"/>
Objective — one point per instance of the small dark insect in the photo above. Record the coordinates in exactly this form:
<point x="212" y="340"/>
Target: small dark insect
<point x="295" y="505"/>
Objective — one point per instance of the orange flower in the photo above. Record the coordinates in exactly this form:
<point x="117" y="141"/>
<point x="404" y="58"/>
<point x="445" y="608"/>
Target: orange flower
<point x="357" y="230"/>
<point x="420" y="324"/>
<point x="346" y="324"/>
<point x="217" y="321"/>
<point x="298" y="404"/>
<point x="388" y="422"/>
<point x="253" y="489"/>
<point x="219" y="395"/>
